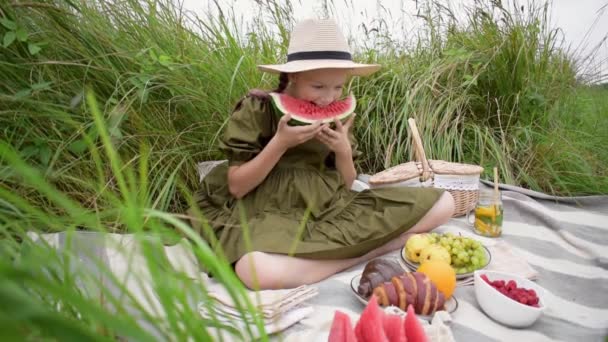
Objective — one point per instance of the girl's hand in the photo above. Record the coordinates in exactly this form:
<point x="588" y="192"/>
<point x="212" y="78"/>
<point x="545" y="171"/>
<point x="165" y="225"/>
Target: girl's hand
<point x="337" y="140"/>
<point x="290" y="136"/>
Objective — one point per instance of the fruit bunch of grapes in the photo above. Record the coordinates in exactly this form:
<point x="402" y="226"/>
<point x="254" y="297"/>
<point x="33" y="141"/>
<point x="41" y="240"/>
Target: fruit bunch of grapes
<point x="467" y="254"/>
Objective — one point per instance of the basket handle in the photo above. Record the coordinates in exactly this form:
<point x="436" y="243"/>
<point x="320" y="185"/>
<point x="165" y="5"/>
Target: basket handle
<point x="419" y="150"/>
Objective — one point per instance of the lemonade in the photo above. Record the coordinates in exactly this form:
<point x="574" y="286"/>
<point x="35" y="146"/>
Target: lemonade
<point x="488" y="214"/>
<point x="488" y="220"/>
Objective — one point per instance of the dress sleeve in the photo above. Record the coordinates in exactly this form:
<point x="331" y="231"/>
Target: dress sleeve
<point x="247" y="132"/>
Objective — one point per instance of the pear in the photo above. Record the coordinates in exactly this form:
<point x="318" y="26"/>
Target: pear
<point x="414" y="245"/>
<point x="435" y="253"/>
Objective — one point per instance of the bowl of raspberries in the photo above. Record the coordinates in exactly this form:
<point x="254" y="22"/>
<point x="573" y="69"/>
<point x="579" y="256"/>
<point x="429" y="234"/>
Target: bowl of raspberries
<point x="509" y="299"/>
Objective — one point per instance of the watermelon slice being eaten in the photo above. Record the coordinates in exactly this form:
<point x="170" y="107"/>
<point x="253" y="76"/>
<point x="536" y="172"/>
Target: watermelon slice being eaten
<point x="305" y="112"/>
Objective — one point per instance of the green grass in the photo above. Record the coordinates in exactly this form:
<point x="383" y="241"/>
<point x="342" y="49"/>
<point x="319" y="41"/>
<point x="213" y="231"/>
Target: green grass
<point x="49" y="293"/>
<point x="106" y="106"/>
<point x="487" y="91"/>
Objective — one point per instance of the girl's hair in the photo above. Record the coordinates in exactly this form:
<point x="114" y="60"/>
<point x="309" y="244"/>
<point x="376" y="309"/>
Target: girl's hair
<point x="283" y="81"/>
<point x="263" y="95"/>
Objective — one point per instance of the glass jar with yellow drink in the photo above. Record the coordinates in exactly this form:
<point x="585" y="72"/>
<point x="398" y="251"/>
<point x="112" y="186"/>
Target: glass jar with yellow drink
<point x="488" y="214"/>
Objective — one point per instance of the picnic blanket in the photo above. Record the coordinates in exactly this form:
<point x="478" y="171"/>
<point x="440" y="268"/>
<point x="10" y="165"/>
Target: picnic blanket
<point x="563" y="239"/>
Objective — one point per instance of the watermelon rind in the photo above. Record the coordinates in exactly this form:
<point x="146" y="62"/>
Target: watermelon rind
<point x="304" y="118"/>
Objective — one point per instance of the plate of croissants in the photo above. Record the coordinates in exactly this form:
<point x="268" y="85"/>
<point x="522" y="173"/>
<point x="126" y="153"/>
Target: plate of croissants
<point x="393" y="286"/>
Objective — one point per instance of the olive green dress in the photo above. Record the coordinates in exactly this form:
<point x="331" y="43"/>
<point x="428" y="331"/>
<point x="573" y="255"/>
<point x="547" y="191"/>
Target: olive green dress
<point x="303" y="198"/>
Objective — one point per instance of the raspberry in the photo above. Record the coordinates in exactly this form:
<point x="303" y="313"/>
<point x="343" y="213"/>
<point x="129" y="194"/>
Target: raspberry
<point x="511" y="285"/>
<point x="518" y="294"/>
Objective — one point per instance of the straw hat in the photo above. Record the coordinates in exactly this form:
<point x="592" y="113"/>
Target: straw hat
<point x="319" y="44"/>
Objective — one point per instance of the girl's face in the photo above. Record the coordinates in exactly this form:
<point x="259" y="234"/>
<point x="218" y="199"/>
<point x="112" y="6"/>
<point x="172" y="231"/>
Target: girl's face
<point x="322" y="86"/>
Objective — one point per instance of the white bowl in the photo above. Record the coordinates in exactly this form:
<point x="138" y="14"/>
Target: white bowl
<point x="504" y="309"/>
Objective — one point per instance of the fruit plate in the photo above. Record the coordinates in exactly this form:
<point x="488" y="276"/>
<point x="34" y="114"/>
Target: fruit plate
<point x="450" y="305"/>
<point x="459" y="276"/>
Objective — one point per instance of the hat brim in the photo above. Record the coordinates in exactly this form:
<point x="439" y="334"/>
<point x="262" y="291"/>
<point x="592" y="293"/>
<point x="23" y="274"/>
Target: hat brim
<point x="356" y="69"/>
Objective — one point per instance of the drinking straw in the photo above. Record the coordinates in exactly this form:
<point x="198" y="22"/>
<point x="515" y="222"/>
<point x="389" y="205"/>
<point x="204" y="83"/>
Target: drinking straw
<point x="496" y="196"/>
<point x="495" y="184"/>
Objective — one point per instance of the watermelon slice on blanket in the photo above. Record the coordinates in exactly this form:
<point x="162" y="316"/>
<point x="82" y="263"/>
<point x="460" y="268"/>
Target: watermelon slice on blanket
<point x="376" y="326"/>
<point x="394" y="328"/>
<point x="371" y="323"/>
<point x="306" y="112"/>
<point x="413" y="329"/>
<point x="341" y="329"/>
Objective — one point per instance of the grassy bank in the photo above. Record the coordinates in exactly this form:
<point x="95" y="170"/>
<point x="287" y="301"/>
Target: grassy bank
<point x="105" y="108"/>
<point x="495" y="87"/>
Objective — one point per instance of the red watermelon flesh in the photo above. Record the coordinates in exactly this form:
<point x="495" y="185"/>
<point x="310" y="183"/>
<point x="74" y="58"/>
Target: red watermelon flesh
<point x="341" y="329"/>
<point x="394" y="328"/>
<point x="307" y="112"/>
<point x="370" y="327"/>
<point x="413" y="328"/>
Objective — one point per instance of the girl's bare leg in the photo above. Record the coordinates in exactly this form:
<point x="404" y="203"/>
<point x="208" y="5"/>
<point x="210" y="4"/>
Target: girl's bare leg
<point x="277" y="271"/>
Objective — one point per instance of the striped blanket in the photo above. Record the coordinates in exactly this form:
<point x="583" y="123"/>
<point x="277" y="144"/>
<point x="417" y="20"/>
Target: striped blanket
<point x="563" y="239"/>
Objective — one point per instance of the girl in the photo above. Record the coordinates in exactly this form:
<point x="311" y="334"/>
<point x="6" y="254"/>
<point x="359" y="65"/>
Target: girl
<point x="291" y="185"/>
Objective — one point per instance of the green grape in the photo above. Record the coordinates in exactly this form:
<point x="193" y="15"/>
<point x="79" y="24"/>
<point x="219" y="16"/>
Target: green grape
<point x="474" y="261"/>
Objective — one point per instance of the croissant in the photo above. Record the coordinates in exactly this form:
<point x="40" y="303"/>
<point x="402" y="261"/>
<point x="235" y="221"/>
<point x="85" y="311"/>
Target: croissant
<point x="375" y="273"/>
<point x="411" y="288"/>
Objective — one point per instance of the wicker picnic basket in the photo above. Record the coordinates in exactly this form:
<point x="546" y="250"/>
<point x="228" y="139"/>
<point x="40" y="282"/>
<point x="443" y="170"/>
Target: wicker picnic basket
<point x="461" y="180"/>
